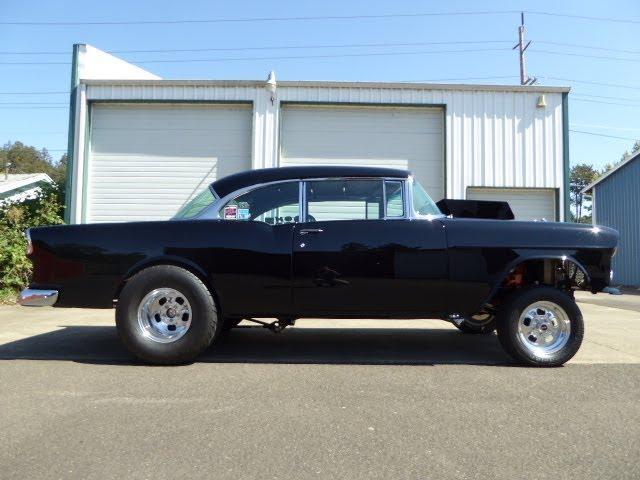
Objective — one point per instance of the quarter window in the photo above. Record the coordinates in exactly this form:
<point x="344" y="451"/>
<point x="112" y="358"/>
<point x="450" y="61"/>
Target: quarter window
<point x="344" y="200"/>
<point x="273" y="204"/>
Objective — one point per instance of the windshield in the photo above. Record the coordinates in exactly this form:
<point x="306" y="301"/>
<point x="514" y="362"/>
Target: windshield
<point x="422" y="203"/>
<point x="196" y="205"/>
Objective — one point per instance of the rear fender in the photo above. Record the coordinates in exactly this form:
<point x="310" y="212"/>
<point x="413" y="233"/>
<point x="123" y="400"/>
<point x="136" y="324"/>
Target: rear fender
<point x="168" y="260"/>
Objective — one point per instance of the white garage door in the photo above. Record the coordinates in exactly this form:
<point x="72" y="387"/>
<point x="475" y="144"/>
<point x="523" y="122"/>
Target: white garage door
<point x="526" y="203"/>
<point x="146" y="161"/>
<point x="396" y="137"/>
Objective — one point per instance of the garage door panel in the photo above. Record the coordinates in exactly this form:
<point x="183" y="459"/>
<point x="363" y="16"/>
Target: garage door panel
<point x="394" y="137"/>
<point x="526" y="203"/>
<point x="147" y="161"/>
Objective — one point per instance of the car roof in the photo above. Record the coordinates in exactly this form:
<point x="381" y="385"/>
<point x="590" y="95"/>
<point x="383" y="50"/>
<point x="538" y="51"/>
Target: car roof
<point x="232" y="183"/>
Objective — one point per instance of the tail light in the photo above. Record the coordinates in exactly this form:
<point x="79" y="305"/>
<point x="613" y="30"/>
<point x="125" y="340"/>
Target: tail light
<point x="27" y="235"/>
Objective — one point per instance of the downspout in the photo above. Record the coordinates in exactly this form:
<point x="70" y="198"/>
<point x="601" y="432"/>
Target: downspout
<point x="565" y="155"/>
<point x="72" y="132"/>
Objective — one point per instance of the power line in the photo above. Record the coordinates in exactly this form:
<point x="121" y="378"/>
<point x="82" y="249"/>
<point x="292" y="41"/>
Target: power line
<point x="605" y="127"/>
<point x="313" y="18"/>
<point x="284" y="57"/>
<point x="35" y="93"/>
<point x="281" y="47"/>
<point x="32" y="108"/>
<point x="602" y="135"/>
<point x="585" y="17"/>
<point x="589" y="47"/>
<point x="259" y="19"/>
<point x="587" y="82"/>
<point x="609" y="98"/>
<point x="299" y="47"/>
<point x="34" y="103"/>
<point x="605" y="103"/>
<point x="584" y="55"/>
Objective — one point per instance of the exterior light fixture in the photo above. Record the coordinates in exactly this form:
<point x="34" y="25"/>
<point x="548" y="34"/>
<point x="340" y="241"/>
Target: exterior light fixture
<point x="271" y="86"/>
<point x="542" y="101"/>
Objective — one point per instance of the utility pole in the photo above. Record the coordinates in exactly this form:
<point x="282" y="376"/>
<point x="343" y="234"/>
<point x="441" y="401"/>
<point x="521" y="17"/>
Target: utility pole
<point x="7" y="164"/>
<point x="521" y="46"/>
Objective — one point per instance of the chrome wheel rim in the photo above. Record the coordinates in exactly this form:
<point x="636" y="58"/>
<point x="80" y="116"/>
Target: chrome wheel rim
<point x="164" y="315"/>
<point x="544" y="328"/>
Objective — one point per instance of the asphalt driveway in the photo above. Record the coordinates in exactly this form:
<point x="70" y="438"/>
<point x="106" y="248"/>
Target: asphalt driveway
<point x="339" y="399"/>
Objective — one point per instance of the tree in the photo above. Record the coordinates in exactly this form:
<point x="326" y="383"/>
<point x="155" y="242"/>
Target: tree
<point x="635" y="149"/>
<point x="581" y="175"/>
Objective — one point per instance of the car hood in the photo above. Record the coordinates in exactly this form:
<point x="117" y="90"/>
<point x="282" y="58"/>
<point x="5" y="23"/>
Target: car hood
<point x="470" y="232"/>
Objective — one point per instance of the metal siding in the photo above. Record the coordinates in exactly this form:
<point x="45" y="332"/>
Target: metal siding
<point x="146" y="161"/>
<point x="399" y="137"/>
<point x="526" y="203"/>
<point x="494" y="137"/>
<point x="617" y="203"/>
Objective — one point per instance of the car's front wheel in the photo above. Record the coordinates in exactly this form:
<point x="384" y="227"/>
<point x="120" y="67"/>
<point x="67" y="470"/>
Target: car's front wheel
<point x="540" y="326"/>
<point x="166" y="315"/>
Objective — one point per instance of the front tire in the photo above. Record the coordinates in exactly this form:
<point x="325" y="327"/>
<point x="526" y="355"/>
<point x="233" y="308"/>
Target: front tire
<point x="166" y="315"/>
<point x="540" y="327"/>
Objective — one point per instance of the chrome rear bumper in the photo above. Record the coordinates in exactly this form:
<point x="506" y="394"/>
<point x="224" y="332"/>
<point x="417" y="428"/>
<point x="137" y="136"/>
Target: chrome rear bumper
<point x="38" y="298"/>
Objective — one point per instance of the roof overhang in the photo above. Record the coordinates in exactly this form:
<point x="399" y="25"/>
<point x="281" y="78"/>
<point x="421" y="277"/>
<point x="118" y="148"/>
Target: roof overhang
<point x="330" y="84"/>
<point x="589" y="187"/>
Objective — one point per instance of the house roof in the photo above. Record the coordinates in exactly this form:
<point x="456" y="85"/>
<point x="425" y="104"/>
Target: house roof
<point x="232" y="183"/>
<point x="622" y="164"/>
<point x="17" y="180"/>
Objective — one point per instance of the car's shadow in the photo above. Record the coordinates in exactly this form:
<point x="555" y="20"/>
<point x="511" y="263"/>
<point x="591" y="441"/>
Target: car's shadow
<point x="379" y="346"/>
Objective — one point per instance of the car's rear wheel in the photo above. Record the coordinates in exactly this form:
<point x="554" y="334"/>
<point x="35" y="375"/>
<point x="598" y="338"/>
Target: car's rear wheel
<point x="166" y="315"/>
<point x="540" y="326"/>
<point x="480" y="324"/>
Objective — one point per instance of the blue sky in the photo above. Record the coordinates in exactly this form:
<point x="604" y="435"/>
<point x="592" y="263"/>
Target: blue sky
<point x="41" y="118"/>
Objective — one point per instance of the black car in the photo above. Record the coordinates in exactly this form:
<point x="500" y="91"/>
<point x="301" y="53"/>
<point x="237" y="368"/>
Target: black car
<point x="327" y="242"/>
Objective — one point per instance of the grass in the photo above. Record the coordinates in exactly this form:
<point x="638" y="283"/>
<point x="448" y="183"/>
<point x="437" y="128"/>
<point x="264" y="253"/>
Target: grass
<point x="8" y="296"/>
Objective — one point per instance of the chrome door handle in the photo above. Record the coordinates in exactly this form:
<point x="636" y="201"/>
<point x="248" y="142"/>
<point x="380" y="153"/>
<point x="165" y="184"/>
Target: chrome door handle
<point x="305" y="231"/>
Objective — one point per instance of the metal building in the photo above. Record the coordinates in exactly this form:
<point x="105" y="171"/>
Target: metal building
<point x="142" y="146"/>
<point x="616" y="203"/>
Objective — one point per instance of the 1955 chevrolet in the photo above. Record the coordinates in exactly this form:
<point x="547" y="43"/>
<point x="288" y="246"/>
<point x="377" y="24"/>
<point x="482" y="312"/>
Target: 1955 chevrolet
<point x="326" y="242"/>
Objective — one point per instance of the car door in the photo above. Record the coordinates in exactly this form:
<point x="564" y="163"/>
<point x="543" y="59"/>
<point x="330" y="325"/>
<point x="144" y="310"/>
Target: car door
<point x="251" y="250"/>
<point x="358" y="252"/>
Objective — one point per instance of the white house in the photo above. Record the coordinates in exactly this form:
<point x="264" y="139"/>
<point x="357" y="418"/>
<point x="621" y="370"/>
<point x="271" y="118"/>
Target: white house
<point x="141" y="146"/>
<point x="16" y="188"/>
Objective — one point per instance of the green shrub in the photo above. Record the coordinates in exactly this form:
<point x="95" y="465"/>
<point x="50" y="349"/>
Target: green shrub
<point x="15" y="218"/>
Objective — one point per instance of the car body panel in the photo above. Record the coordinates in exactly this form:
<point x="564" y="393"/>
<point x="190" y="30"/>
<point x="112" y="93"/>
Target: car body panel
<point x="392" y="267"/>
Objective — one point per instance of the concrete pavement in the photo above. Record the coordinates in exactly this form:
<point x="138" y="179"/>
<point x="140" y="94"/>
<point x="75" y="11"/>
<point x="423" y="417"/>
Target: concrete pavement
<point x="339" y="399"/>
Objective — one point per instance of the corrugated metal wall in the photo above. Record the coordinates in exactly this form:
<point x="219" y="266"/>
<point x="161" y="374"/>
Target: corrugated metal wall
<point x="494" y="136"/>
<point x="617" y="205"/>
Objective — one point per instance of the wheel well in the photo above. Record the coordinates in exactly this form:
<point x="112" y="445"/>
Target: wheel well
<point x="176" y="263"/>
<point x="562" y="273"/>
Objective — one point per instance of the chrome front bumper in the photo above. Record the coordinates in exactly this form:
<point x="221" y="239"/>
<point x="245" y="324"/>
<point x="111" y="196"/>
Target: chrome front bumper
<point x="38" y="298"/>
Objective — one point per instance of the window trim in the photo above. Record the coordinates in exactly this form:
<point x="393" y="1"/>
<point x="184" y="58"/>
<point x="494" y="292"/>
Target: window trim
<point x="212" y="212"/>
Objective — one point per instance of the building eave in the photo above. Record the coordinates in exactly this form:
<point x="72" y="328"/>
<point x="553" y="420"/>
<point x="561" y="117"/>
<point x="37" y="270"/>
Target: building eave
<point x="589" y="187"/>
<point x="332" y="84"/>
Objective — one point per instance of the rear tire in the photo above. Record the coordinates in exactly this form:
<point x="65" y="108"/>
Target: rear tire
<point x="540" y="327"/>
<point x="166" y="315"/>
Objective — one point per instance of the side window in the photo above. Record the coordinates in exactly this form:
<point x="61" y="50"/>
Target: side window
<point x="344" y="200"/>
<point x="273" y="204"/>
<point x="394" y="196"/>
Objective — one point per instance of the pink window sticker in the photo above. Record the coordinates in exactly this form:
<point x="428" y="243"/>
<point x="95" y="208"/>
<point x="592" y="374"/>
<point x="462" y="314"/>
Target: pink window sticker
<point x="230" y="212"/>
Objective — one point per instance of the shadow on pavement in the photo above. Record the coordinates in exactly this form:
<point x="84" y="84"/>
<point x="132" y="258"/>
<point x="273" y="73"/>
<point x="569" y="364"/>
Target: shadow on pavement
<point x="100" y="345"/>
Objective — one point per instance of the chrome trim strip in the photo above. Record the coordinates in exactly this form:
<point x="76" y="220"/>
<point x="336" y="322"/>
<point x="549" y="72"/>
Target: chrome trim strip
<point x="38" y="298"/>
